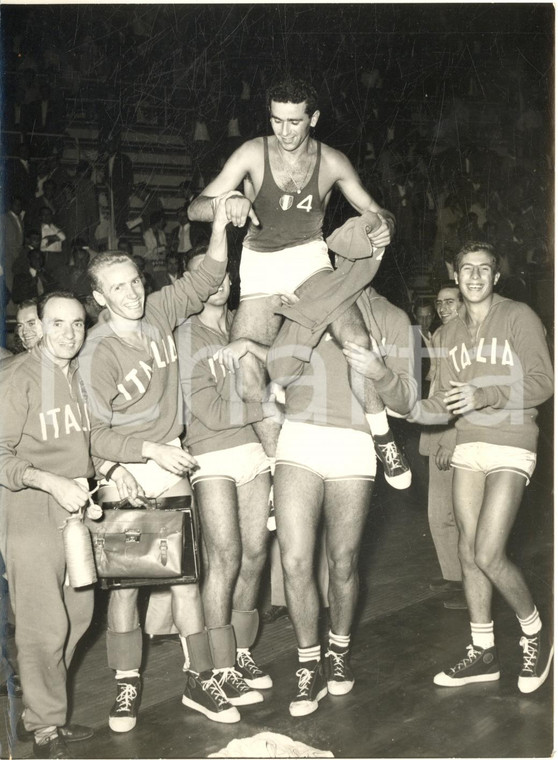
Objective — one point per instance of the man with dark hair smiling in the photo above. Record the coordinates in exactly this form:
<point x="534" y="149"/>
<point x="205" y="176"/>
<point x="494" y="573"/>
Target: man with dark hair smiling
<point x="288" y="180"/>
<point x="44" y="466"/>
<point x="495" y="372"/>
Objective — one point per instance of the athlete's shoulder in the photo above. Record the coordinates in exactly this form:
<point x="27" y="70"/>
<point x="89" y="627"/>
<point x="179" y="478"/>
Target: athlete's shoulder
<point x="335" y="161"/>
<point x="251" y="148"/>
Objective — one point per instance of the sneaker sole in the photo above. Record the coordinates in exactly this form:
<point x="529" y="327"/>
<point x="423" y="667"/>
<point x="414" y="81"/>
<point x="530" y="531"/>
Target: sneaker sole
<point x="527" y="685"/>
<point x="340" y="688"/>
<point x="308" y="706"/>
<point x="262" y="682"/>
<point x="231" y="715"/>
<point x="400" y="482"/>
<point x="250" y="698"/>
<point x="441" y="679"/>
<point x="121" y="725"/>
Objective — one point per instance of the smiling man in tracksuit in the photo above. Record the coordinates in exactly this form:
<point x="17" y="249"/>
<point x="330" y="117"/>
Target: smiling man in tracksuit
<point x="44" y="465"/>
<point x="130" y="368"/>
<point x="494" y="373"/>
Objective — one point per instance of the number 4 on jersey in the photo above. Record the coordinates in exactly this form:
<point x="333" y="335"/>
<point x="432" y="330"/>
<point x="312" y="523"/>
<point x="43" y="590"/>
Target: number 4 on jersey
<point x="306" y="204"/>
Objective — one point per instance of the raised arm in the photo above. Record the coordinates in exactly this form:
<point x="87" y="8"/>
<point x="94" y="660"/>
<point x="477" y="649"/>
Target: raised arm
<point x="238" y="207"/>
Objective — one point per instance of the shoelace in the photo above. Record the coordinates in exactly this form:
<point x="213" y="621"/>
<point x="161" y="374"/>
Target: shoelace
<point x="232" y="676"/>
<point x="213" y="688"/>
<point x="126" y="697"/>
<point x="391" y="454"/>
<point x="470" y="658"/>
<point x="338" y="663"/>
<point x="304" y="681"/>
<point x="529" y="653"/>
<point x="245" y="661"/>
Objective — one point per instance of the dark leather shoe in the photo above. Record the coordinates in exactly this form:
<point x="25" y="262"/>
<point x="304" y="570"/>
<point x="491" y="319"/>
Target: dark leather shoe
<point x="441" y="584"/>
<point x="55" y="748"/>
<point x="456" y="602"/>
<point x="70" y="733"/>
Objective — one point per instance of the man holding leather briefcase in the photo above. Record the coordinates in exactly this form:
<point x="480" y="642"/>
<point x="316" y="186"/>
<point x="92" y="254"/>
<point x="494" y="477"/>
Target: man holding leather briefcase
<point x="129" y="366"/>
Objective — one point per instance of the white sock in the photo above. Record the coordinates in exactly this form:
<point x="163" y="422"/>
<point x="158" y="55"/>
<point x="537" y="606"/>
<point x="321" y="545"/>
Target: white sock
<point x="307" y="654"/>
<point x="341" y="642"/>
<point x="186" y="665"/>
<point x="44" y="735"/>
<point x="483" y="634"/>
<point x="378" y="423"/>
<point x="127" y="674"/>
<point x="531" y="625"/>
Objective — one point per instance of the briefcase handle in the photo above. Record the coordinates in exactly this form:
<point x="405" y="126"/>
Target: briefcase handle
<point x="165" y="502"/>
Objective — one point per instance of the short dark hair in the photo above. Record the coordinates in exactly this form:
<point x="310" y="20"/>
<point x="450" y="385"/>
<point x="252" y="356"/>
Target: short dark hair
<point x="293" y="91"/>
<point x="27" y="304"/>
<point x="449" y="285"/>
<point x="423" y="301"/>
<point x="56" y="294"/>
<point x="473" y="248"/>
<point x="103" y="260"/>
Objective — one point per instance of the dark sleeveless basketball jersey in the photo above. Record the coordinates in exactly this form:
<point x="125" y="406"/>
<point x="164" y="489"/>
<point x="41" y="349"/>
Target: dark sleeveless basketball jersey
<point x="286" y="219"/>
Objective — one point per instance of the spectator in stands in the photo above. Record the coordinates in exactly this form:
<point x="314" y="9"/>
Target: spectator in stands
<point x="125" y="246"/>
<point x="155" y="241"/>
<point x="52" y="169"/>
<point x="74" y="276"/>
<point x="12" y="240"/>
<point x="47" y="197"/>
<point x="151" y="203"/>
<point x="87" y="205"/>
<point x="31" y="278"/>
<point x="52" y="238"/>
<point x="449" y="215"/>
<point x="174" y="268"/>
<point x="180" y="240"/>
<point x="21" y="178"/>
<point x="468" y="228"/>
<point x="119" y="179"/>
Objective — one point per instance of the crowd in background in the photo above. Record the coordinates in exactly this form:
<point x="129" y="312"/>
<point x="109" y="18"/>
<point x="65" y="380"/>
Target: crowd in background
<point x="452" y="134"/>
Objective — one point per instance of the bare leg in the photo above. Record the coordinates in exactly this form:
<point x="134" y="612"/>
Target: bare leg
<point x="256" y="319"/>
<point x="299" y="495"/>
<point x="218" y="510"/>
<point x="345" y="508"/>
<point x="253" y="510"/>
<point x="502" y="498"/>
<point x="468" y="495"/>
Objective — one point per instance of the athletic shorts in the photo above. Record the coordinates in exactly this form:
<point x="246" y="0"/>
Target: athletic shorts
<point x="267" y="273"/>
<point x="241" y="464"/>
<point x="331" y="453"/>
<point x="491" y="457"/>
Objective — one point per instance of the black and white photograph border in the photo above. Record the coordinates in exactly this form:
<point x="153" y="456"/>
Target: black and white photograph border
<point x="447" y="111"/>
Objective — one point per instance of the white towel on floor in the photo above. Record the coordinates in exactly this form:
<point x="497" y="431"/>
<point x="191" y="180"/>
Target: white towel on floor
<point x="268" y="744"/>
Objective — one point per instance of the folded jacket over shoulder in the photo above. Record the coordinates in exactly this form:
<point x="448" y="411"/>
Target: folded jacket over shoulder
<point x="331" y="295"/>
